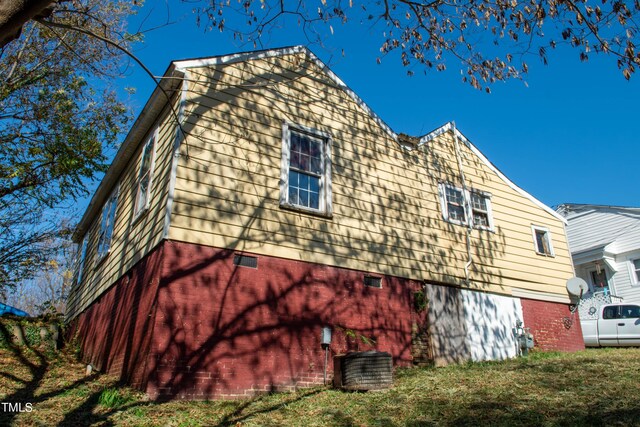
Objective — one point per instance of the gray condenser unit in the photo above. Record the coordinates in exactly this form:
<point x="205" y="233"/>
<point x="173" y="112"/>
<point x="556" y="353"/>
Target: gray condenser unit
<point x="366" y="370"/>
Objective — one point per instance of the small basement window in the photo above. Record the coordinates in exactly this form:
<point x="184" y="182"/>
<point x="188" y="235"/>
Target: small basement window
<point x="245" y="261"/>
<point x="373" y="281"/>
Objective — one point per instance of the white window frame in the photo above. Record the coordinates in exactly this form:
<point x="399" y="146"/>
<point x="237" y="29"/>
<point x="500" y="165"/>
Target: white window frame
<point x="152" y="141"/>
<point x="633" y="271"/>
<point x="110" y="222"/>
<point x="82" y="255"/>
<point x="534" y="230"/>
<point x="467" y="206"/>
<point x="325" y="206"/>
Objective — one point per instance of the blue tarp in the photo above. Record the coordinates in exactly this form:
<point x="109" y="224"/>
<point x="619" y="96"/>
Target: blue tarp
<point x="4" y="308"/>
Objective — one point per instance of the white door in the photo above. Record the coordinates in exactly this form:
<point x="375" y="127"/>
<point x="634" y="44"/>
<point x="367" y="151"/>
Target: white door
<point x="629" y="325"/>
<point x="608" y="326"/>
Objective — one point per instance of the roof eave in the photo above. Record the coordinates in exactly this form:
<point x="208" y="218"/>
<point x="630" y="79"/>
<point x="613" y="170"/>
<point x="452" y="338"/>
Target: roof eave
<point x="245" y="56"/>
<point x="450" y="127"/>
<point x="157" y="101"/>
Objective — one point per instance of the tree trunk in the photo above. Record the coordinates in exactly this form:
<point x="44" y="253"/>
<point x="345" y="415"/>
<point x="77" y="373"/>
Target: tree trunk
<point x="15" y="13"/>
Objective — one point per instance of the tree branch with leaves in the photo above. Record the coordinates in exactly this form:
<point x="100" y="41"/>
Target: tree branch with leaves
<point x="489" y="40"/>
<point x="60" y="118"/>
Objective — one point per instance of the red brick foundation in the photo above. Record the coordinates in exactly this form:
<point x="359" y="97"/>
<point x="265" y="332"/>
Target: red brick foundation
<point x="553" y="325"/>
<point x="186" y="322"/>
<point x="115" y="332"/>
<point x="225" y="330"/>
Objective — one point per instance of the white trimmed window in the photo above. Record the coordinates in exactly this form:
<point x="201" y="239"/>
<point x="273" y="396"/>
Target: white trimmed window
<point x="305" y="182"/>
<point x="635" y="269"/>
<point x="106" y="225"/>
<point x="81" y="258"/>
<point x="542" y="240"/>
<point x="145" y="176"/>
<point x="466" y="207"/>
<point x="481" y="210"/>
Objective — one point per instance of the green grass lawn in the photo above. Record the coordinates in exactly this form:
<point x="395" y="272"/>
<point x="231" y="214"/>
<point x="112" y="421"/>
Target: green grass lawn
<point x="593" y="387"/>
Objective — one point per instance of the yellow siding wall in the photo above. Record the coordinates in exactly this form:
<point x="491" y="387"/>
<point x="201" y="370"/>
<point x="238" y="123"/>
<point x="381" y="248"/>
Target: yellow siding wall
<point x="131" y="241"/>
<point x="386" y="208"/>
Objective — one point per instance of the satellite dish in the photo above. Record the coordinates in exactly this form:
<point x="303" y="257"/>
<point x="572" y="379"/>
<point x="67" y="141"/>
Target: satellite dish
<point x="577" y="287"/>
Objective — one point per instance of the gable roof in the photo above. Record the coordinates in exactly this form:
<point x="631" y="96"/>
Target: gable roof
<point x="171" y="82"/>
<point x="271" y="53"/>
<point x="451" y="127"/>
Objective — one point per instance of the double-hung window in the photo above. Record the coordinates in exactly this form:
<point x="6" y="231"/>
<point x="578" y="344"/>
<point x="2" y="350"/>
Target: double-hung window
<point x="106" y="224"/>
<point x="542" y="240"/>
<point x="145" y="176"/>
<point x="480" y="203"/>
<point x="82" y="255"/>
<point x="306" y="170"/>
<point x="471" y="207"/>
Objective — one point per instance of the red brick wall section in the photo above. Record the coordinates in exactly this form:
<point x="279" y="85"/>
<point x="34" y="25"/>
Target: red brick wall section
<point x="114" y="333"/>
<point x="553" y="325"/>
<point x="228" y="331"/>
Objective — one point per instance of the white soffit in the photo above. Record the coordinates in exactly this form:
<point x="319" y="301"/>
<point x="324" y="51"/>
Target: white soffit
<point x="449" y="127"/>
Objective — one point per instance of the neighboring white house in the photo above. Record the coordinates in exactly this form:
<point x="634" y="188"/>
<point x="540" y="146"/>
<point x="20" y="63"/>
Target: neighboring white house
<point x="605" y="246"/>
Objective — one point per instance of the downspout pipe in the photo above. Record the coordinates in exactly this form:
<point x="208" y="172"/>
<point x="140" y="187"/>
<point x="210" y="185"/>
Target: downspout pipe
<point x="466" y="202"/>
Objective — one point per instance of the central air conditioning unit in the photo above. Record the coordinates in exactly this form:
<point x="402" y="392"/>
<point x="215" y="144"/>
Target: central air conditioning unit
<point x="366" y="370"/>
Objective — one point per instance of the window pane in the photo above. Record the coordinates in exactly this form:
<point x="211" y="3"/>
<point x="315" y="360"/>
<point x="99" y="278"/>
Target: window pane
<point x="304" y="162"/>
<point x="542" y="242"/>
<point x="316" y="165"/>
<point x="314" y="184"/>
<point x="478" y="202"/>
<point x="630" y="311"/>
<point x="610" y="313"/>
<point x="454" y="196"/>
<point x="304" y="181"/>
<point x="456" y="212"/>
<point x="83" y="255"/>
<point x="295" y="160"/>
<point x="304" y="144"/>
<point x="106" y="227"/>
<point x="293" y="195"/>
<point x="636" y="264"/>
<point x="146" y="157"/>
<point x="480" y="219"/>
<point x="303" y="197"/>
<point x="314" y="200"/>
<point x="315" y="149"/>
<point x="295" y="142"/>
<point x="141" y="203"/>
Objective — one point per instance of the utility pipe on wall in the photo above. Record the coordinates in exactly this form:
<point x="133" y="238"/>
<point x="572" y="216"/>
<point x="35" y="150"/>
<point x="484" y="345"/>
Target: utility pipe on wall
<point x="467" y="206"/>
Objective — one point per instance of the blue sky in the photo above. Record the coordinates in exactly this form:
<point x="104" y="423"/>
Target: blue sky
<point x="570" y="135"/>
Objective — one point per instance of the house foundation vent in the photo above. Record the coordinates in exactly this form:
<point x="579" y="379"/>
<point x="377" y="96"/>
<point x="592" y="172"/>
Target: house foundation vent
<point x="245" y="261"/>
<point x="367" y="370"/>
